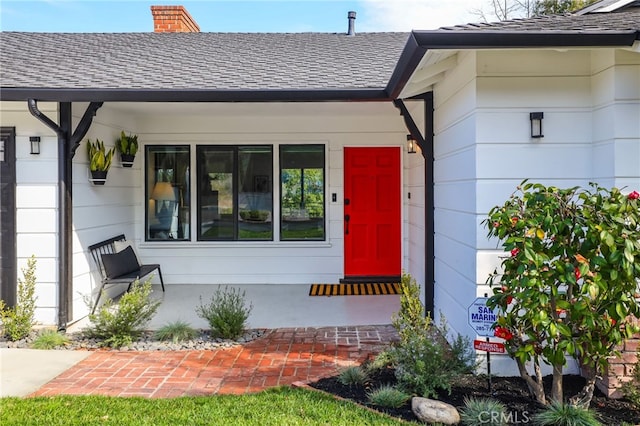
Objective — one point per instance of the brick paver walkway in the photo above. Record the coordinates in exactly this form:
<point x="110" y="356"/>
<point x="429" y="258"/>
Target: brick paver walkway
<point x="280" y="357"/>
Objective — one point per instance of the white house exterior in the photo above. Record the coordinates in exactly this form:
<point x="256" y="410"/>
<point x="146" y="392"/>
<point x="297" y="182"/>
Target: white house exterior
<point x="466" y="93"/>
<point x="486" y="80"/>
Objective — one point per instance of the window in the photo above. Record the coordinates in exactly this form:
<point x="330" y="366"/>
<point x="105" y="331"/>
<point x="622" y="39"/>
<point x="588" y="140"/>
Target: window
<point x="235" y="196"/>
<point x="302" y="192"/>
<point x="167" y="193"/>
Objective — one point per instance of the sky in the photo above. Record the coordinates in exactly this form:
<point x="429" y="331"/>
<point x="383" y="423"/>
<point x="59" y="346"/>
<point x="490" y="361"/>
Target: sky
<point x="240" y="15"/>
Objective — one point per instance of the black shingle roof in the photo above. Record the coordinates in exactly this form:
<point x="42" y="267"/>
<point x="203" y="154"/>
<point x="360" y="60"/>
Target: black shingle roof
<point x="624" y="20"/>
<point x="207" y="61"/>
<point x="268" y="66"/>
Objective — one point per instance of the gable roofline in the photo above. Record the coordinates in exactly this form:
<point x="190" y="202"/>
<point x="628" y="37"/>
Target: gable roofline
<point x="514" y="34"/>
<point x="605" y="6"/>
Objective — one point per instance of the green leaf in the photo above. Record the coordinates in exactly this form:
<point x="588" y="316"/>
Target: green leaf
<point x="608" y="239"/>
<point x="628" y="255"/>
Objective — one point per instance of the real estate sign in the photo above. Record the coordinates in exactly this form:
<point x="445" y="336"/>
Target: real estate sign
<point x="481" y="317"/>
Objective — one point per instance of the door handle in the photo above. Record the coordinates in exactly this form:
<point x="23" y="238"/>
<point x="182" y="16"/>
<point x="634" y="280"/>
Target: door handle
<point x="346" y="221"/>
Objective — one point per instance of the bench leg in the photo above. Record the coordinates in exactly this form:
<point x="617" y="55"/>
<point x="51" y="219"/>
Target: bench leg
<point x="95" y="305"/>
<point x="161" y="281"/>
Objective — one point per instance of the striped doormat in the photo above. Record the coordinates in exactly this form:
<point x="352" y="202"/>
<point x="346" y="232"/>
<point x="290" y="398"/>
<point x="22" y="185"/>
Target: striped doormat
<point x="361" y="289"/>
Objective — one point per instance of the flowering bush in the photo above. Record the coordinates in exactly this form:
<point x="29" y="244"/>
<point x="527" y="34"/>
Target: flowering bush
<point x="570" y="280"/>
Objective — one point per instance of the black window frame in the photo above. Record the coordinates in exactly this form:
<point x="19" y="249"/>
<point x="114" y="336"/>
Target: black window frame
<point x="147" y="149"/>
<point x="324" y="192"/>
<point x="200" y="149"/>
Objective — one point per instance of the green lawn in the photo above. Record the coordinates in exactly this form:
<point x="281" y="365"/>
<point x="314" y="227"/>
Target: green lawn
<point x="278" y="406"/>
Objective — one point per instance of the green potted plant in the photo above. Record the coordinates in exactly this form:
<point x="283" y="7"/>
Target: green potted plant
<point x="99" y="161"/>
<point x="128" y="147"/>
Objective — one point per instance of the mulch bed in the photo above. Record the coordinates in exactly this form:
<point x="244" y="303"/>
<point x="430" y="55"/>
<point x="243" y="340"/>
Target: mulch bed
<point x="511" y="391"/>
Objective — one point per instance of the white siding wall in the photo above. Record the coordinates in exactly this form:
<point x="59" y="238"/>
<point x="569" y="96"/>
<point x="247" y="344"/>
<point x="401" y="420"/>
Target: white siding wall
<point x="414" y="229"/>
<point x="591" y="126"/>
<point x="36" y="202"/>
<point x="454" y="175"/>
<point x="335" y="125"/>
<point x="100" y="212"/>
<point x="616" y="118"/>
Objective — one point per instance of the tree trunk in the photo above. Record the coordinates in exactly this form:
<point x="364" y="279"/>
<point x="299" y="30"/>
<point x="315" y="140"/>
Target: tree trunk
<point x="556" y="385"/>
<point x="583" y="399"/>
<point x="536" y="388"/>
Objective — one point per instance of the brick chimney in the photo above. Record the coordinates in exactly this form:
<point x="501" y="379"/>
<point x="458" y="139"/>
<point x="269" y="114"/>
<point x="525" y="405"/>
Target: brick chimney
<point x="173" y="19"/>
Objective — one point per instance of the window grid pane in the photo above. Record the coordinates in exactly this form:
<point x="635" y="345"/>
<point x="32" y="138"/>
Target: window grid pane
<point x="235" y="199"/>
<point x="168" y="193"/>
<point x="302" y="197"/>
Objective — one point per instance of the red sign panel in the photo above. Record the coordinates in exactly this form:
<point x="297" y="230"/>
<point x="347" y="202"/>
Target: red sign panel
<point x="495" y="347"/>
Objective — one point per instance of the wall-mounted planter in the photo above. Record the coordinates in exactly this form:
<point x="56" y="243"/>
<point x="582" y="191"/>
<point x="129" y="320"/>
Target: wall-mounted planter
<point x="98" y="177"/>
<point x="99" y="161"/>
<point x="127" y="160"/>
<point x="127" y="146"/>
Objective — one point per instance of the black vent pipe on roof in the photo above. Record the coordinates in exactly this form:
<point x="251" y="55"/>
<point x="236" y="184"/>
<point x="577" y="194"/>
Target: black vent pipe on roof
<point x="352" y="23"/>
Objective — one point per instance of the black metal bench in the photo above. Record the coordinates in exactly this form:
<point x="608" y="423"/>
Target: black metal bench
<point x="118" y="267"/>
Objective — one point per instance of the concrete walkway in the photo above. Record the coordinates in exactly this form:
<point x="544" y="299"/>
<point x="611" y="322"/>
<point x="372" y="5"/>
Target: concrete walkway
<point x="23" y="371"/>
<point x="281" y="357"/>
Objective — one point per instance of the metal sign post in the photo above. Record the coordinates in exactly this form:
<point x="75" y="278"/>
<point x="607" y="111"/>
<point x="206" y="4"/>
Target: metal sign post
<point x="481" y="319"/>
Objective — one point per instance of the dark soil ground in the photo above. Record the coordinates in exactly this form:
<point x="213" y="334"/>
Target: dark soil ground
<point x="511" y="391"/>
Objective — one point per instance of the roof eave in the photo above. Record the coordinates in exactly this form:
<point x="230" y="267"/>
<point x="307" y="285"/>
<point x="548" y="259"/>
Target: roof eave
<point x="421" y="41"/>
<point x="484" y="39"/>
<point x="191" y="95"/>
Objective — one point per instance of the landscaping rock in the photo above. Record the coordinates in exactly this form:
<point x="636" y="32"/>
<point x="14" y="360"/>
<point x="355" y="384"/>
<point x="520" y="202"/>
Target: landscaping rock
<point x="432" y="411"/>
<point x="146" y="342"/>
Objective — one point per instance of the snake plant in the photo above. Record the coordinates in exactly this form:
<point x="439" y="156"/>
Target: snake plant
<point x="127" y="145"/>
<point x="99" y="157"/>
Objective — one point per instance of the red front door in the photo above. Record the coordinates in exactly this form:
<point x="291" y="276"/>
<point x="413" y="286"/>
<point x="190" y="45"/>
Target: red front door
<point x="372" y="221"/>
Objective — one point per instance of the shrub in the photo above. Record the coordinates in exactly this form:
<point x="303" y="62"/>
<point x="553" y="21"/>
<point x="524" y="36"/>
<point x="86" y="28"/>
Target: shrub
<point x="423" y="360"/>
<point x="118" y="325"/>
<point x="50" y="339"/>
<point x="631" y="390"/>
<point x="18" y="320"/>
<point x="461" y="355"/>
<point x="559" y="414"/>
<point x="177" y="331"/>
<point x="483" y="411"/>
<point x="353" y="376"/>
<point x="382" y="361"/>
<point x="568" y="280"/>
<point x="227" y="312"/>
<point x="388" y="396"/>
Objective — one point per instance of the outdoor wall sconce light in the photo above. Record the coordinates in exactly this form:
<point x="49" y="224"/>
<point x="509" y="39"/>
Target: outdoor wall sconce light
<point x="536" y="124"/>
<point x="35" y="144"/>
<point x="411" y="144"/>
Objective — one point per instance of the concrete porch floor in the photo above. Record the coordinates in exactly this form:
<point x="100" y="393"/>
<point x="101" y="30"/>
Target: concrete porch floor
<point x="274" y="306"/>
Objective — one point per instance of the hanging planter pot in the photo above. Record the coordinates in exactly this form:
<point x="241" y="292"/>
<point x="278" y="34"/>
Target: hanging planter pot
<point x="98" y="177"/>
<point x="99" y="161"/>
<point x="127" y="147"/>
<point x="127" y="160"/>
